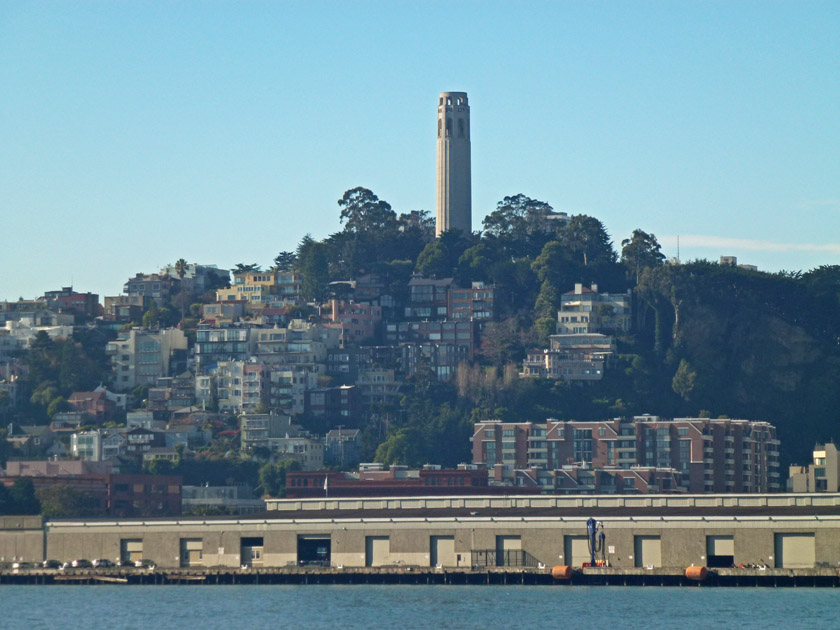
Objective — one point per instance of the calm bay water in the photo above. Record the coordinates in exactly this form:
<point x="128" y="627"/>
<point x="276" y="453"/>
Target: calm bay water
<point x="369" y="607"/>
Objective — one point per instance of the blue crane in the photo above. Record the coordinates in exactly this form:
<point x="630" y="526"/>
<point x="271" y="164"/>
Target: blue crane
<point x="597" y="540"/>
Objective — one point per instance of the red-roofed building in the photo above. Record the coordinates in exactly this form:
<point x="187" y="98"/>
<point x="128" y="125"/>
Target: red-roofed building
<point x="93" y="404"/>
<point x="85" y="304"/>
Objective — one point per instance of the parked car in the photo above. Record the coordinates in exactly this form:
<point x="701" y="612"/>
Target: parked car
<point x="81" y="564"/>
<point x="22" y="565"/>
<point x="51" y="564"/>
<point x="125" y="563"/>
<point x="145" y="564"/>
<point x="102" y="563"/>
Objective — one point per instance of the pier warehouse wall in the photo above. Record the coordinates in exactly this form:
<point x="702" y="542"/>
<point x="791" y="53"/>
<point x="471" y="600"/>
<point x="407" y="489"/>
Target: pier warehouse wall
<point x="676" y="531"/>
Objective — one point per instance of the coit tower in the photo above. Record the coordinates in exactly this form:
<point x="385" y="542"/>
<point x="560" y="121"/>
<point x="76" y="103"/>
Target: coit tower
<point x="454" y="196"/>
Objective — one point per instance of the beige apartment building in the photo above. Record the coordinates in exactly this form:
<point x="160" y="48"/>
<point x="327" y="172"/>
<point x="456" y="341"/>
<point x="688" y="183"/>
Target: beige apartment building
<point x="259" y="288"/>
<point x="823" y="475"/>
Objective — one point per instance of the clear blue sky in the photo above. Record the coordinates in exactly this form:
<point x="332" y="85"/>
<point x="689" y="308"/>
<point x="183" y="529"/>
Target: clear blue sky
<point x="136" y="133"/>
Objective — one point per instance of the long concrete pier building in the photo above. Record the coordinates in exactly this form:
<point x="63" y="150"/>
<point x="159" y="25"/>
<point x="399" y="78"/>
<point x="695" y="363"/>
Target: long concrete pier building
<point x="776" y="531"/>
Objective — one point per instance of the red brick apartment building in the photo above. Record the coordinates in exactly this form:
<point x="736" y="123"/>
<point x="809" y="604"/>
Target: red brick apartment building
<point x="112" y="494"/>
<point x="710" y="455"/>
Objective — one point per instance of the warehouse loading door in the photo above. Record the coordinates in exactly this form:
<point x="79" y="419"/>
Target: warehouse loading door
<point x="507" y="551"/>
<point x="314" y="551"/>
<point x="576" y="550"/>
<point x="191" y="552"/>
<point x="442" y="551"/>
<point x="131" y="550"/>
<point x="251" y="551"/>
<point x="377" y="551"/>
<point x="795" y="551"/>
<point x="720" y="551"/>
<point x="648" y="551"/>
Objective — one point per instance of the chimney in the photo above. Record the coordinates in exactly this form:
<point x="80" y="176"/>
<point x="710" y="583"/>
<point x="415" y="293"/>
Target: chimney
<point x="578" y="288"/>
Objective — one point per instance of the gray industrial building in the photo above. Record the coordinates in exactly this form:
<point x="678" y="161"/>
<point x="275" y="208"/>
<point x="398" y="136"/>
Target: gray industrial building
<point x="651" y="531"/>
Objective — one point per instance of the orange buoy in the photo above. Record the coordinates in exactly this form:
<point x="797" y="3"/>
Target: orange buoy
<point x="562" y="572"/>
<point x="696" y="573"/>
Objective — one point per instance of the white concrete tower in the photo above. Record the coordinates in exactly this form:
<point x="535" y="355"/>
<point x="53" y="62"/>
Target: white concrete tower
<point x="454" y="188"/>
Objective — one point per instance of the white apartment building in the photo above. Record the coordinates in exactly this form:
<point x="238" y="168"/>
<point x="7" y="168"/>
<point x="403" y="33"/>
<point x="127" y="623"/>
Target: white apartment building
<point x="140" y="357"/>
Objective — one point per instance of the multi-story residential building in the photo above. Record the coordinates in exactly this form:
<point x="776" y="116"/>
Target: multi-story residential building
<point x="191" y="435"/>
<point x="342" y="401"/>
<point x="9" y="309"/>
<point x="260" y="288"/>
<point x="476" y="302"/>
<point x="304" y="449"/>
<point x="370" y="289"/>
<point x="719" y="455"/>
<point x="11" y="386"/>
<point x="577" y="357"/>
<point x="348" y="363"/>
<point x="378" y="387"/>
<point x="585" y="311"/>
<point x="10" y="346"/>
<point x="241" y="386"/>
<point x="139" y="441"/>
<point x="87" y="445"/>
<point x="95" y="405"/>
<point x="198" y="278"/>
<point x="288" y="387"/>
<point x="158" y="287"/>
<point x="84" y="304"/>
<point x="126" y="308"/>
<point x="459" y="333"/>
<point x="20" y="333"/>
<point x="113" y="445"/>
<point x="823" y="475"/>
<point x="222" y="314"/>
<point x="428" y="298"/>
<point x="342" y="447"/>
<point x="357" y="322"/>
<point x="140" y="357"/>
<point x="300" y="344"/>
<point x="258" y="429"/>
<point x="143" y="419"/>
<point x="443" y="358"/>
<point x="223" y="344"/>
<point x="172" y="392"/>
<point x="284" y="439"/>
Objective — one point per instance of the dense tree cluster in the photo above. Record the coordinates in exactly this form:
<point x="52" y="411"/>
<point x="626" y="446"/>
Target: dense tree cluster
<point x="707" y="338"/>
